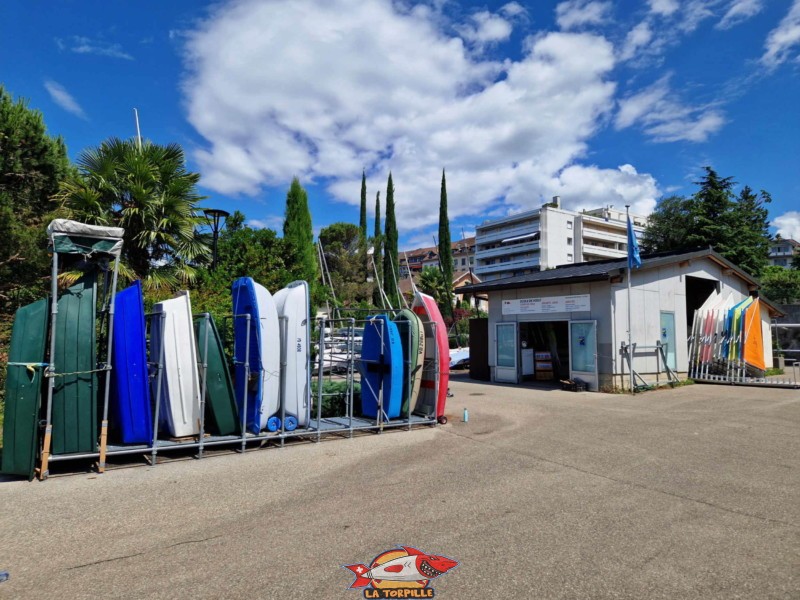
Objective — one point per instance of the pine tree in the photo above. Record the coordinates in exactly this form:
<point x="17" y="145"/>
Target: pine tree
<point x="391" y="266"/>
<point x="445" y="249"/>
<point x="712" y="213"/>
<point x="751" y="224"/>
<point x="377" y="262"/>
<point x="299" y="235"/>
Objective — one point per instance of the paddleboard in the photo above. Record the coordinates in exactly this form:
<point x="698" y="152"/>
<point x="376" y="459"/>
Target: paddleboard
<point x="292" y="303"/>
<point x="412" y="337"/>
<point x="381" y="368"/>
<point x="74" y="408"/>
<point x="222" y="414"/>
<point x="179" y="413"/>
<point x="131" y="413"/>
<point x="24" y="377"/>
<point x="263" y="386"/>
<point x="436" y="372"/>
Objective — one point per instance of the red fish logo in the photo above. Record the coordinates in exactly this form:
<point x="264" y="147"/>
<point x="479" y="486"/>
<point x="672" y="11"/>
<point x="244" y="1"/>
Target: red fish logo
<point x="400" y="573"/>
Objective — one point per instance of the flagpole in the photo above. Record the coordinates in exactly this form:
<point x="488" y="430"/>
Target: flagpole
<point x="630" y="345"/>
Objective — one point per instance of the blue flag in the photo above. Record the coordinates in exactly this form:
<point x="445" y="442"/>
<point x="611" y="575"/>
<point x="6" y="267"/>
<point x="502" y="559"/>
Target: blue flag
<point x="634" y="260"/>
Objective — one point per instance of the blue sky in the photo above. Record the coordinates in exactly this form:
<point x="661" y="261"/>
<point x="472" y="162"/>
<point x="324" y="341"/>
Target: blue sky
<point x="600" y="102"/>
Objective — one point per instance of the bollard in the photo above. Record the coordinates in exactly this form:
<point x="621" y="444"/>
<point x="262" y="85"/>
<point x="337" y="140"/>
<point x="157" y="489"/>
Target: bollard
<point x="466" y="416"/>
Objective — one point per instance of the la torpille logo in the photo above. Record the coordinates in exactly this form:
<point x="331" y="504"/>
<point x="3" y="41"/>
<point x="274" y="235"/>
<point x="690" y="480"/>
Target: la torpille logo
<point x="404" y="572"/>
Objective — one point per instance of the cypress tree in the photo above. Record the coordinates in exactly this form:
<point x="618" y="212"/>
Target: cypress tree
<point x="299" y="235"/>
<point x="751" y="223"/>
<point x="363" y="220"/>
<point x="391" y="266"/>
<point x="377" y="262"/>
<point x="445" y="249"/>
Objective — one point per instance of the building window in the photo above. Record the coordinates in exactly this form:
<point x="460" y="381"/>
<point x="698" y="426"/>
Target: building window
<point x="569" y="224"/>
<point x="569" y="241"/>
<point x="569" y="257"/>
<point x="463" y="261"/>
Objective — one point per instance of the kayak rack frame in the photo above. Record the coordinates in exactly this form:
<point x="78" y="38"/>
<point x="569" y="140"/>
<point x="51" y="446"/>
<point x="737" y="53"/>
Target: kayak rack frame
<point x="324" y="359"/>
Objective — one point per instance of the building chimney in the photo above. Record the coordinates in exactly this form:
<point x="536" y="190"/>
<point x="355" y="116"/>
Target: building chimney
<point x="557" y="201"/>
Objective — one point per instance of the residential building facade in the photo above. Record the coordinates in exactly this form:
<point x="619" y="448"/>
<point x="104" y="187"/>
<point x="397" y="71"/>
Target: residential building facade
<point x="550" y="236"/>
<point x="463" y="257"/>
<point x="782" y="251"/>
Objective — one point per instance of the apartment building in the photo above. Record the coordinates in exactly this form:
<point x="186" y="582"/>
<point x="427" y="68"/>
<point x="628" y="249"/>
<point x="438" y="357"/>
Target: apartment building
<point x="463" y="256"/>
<point x="550" y="236"/>
<point x="782" y="251"/>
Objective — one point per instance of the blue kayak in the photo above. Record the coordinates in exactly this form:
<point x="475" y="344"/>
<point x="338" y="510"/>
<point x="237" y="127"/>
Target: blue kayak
<point x="130" y="403"/>
<point x="381" y="368"/>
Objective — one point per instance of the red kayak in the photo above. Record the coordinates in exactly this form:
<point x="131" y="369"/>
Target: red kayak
<point x="433" y="393"/>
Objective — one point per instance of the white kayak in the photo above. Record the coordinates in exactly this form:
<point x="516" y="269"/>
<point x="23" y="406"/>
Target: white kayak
<point x="292" y="303"/>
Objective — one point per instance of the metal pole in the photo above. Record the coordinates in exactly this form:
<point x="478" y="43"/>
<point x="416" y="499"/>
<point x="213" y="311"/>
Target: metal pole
<point x="630" y="333"/>
<point x="284" y="336"/>
<point x="101" y="465"/>
<point x="50" y="370"/>
<point x="138" y="131"/>
<point x="204" y="386"/>
<point x="320" y="375"/>
<point x="246" y="379"/>
<point x="159" y="382"/>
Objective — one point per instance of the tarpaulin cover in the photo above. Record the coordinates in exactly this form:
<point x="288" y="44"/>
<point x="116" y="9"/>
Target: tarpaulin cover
<point x="72" y="237"/>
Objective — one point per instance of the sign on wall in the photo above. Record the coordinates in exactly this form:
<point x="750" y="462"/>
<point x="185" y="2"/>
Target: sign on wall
<point x="552" y="304"/>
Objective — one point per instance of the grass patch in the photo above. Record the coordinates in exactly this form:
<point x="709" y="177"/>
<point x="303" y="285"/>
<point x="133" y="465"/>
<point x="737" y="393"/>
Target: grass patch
<point x="771" y="372"/>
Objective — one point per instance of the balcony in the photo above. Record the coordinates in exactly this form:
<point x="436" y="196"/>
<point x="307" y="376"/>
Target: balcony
<point x="598" y="252"/>
<point x="497" y="235"/>
<point x="511" y="265"/>
<point x="605" y="236"/>
<point x="507" y="250"/>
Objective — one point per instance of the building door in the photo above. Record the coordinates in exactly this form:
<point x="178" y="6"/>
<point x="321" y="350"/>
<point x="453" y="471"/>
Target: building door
<point x="506" y="369"/>
<point x="668" y="337"/>
<point x="583" y="352"/>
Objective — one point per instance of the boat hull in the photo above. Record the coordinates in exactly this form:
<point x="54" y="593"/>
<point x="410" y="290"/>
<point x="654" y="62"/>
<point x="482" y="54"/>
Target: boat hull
<point x="179" y="412"/>
<point x="131" y="413"/>
<point x="24" y="390"/>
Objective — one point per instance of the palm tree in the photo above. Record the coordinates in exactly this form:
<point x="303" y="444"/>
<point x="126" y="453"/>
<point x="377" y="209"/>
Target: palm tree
<point x="147" y="190"/>
<point x="431" y="282"/>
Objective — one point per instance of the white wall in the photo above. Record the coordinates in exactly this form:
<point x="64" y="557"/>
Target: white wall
<point x="553" y="247"/>
<point x="657" y="290"/>
<point x="599" y="301"/>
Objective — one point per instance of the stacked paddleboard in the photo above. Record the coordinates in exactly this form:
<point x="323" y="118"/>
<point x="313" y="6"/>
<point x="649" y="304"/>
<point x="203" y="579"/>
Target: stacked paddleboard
<point x="727" y="339"/>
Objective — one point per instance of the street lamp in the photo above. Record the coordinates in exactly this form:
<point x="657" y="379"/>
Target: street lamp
<point x="216" y="217"/>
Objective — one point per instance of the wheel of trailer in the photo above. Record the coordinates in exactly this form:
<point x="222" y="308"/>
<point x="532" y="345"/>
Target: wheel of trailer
<point x="442" y="420"/>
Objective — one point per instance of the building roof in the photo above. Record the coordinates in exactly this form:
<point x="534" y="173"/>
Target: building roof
<point x="601" y="270"/>
<point x="790" y="241"/>
<point x="433" y="251"/>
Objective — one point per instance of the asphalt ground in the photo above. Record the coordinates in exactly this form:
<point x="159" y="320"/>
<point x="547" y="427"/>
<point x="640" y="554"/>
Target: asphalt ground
<point x="685" y="493"/>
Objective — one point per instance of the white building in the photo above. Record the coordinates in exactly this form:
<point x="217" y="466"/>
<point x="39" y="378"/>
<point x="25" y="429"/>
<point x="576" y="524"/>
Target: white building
<point x="578" y="315"/>
<point x="548" y="237"/>
<point x="782" y="251"/>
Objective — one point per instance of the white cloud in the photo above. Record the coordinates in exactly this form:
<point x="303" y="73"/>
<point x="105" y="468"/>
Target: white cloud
<point x="60" y="95"/>
<point x="637" y="39"/>
<point x="739" y="11"/>
<point x="788" y="224"/>
<point x="664" y="7"/>
<point x="84" y="45"/>
<point x="663" y="117"/>
<point x="486" y="28"/>
<point x="574" y="14"/>
<point x="323" y="88"/>
<point x="784" y="39"/>
<point x="271" y="222"/>
<point x="513" y="9"/>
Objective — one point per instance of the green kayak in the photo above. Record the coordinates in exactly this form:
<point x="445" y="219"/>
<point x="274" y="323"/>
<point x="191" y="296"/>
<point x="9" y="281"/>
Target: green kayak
<point x="75" y="396"/>
<point x="219" y="389"/>
<point x="24" y="389"/>
<point x="410" y="328"/>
